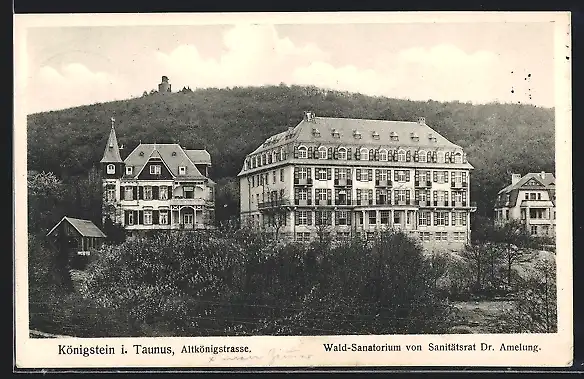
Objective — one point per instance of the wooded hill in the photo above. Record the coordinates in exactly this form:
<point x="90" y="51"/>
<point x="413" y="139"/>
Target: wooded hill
<point x="230" y="123"/>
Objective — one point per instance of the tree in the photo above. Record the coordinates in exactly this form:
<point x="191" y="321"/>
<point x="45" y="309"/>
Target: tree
<point x="45" y="201"/>
<point x="275" y="209"/>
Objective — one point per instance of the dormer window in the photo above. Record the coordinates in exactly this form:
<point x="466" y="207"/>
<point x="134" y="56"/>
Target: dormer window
<point x="422" y="157"/>
<point x="458" y="158"/>
<point x="315" y="132"/>
<point x="401" y="156"/>
<point x="414" y="137"/>
<point x="155" y="169"/>
<point x="174" y="153"/>
<point x="342" y="153"/>
<point x="322" y="152"/>
<point x="182" y="170"/>
<point x="383" y="155"/>
<point x="357" y="134"/>
<point x="141" y="154"/>
<point x="364" y="154"/>
<point x="375" y="135"/>
<point x="111" y="169"/>
<point x="302" y="152"/>
<point x="282" y="154"/>
<point x="335" y="133"/>
<point x="440" y="157"/>
<point x="393" y="136"/>
<point x="431" y="137"/>
<point x="129" y="170"/>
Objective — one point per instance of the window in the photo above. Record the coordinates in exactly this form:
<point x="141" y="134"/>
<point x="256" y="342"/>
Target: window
<point x="320" y="193"/>
<point x="400" y="195"/>
<point x="440" y="157"/>
<point x="526" y="195"/>
<point x="129" y="170"/>
<point x="459" y="236"/>
<point x="533" y="229"/>
<point x="401" y="156"/>
<point x="163" y="217"/>
<point x="536" y="213"/>
<point x="281" y="174"/>
<point x="342" y="217"/>
<point x="302" y="152"/>
<point x="188" y="218"/>
<point x="273" y="177"/>
<point x="111" y="193"/>
<point x="382" y="175"/>
<point x="384" y="217"/>
<point x="394" y="136"/>
<point x="539" y="196"/>
<point x="397" y="218"/>
<point x="423" y="218"/>
<point x="425" y="236"/>
<point x="129" y="193"/>
<point x="322" y="152"/>
<point x="302" y="217"/>
<point x="182" y="170"/>
<point x="343" y="235"/>
<point x="147" y="192"/>
<point x="253" y="181"/>
<point x="458" y="197"/>
<point x="458" y="177"/>
<point x="147" y="217"/>
<point x="322" y="217"/>
<point x="440" y="218"/>
<point x="189" y="192"/>
<point x="163" y="192"/>
<point x="459" y="219"/>
<point x="423" y="195"/>
<point x="422" y="157"/>
<point x="155" y="169"/>
<point x="257" y="197"/>
<point x="372" y="217"/>
<point x="458" y="158"/>
<point x="359" y="218"/>
<point x="321" y="173"/>
<point x="532" y="196"/>
<point x="302" y="194"/>
<point x="357" y="134"/>
<point x="383" y="155"/>
<point x="441" y="236"/>
<point x="342" y="174"/>
<point x="364" y="154"/>
<point x="111" y="169"/>
<point x="131" y="218"/>
<point x="342" y="153"/>
<point x="401" y="176"/>
<point x="303" y="173"/>
<point x="282" y="154"/>
<point x="303" y="236"/>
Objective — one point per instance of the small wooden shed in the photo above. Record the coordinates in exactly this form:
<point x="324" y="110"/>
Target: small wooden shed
<point x="76" y="238"/>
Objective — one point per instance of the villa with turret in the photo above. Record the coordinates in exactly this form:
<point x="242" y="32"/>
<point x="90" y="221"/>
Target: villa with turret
<point x="157" y="187"/>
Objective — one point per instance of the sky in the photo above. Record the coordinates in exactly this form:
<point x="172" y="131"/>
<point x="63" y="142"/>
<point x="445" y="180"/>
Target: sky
<point x="469" y="62"/>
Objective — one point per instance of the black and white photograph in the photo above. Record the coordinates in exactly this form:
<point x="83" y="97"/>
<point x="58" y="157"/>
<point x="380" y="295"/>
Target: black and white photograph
<point x="293" y="189"/>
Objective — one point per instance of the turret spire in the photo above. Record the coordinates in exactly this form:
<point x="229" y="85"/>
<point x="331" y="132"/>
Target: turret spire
<point x="112" y="150"/>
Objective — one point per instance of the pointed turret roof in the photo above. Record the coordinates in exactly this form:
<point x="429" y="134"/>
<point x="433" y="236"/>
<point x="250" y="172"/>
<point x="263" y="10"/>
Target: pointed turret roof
<point x="112" y="151"/>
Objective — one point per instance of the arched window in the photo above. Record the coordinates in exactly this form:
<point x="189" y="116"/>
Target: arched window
<point x="422" y="156"/>
<point x="302" y="152"/>
<point x="458" y="158"/>
<point x="322" y="152"/>
<point x="274" y="156"/>
<point x="440" y="157"/>
<point x="263" y="160"/>
<point x="401" y="156"/>
<point x="282" y="154"/>
<point x="364" y="154"/>
<point x="342" y="153"/>
<point x="111" y="169"/>
<point x="382" y="155"/>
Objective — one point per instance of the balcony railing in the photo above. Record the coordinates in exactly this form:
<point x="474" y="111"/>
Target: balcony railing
<point x="383" y="183"/>
<point x="456" y="184"/>
<point x="185" y="201"/>
<point x="324" y="202"/>
<point x="274" y="203"/>
<point x="422" y="184"/>
<point x="440" y="203"/>
<point x="403" y="202"/>
<point x="303" y="181"/>
<point x="343" y="182"/>
<point x="363" y="202"/>
<point x="302" y="202"/>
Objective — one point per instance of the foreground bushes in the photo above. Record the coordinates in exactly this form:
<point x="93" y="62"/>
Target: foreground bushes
<point x="241" y="284"/>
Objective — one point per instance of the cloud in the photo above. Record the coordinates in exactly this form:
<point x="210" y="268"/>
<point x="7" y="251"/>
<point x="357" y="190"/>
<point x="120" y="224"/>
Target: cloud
<point x="71" y="85"/>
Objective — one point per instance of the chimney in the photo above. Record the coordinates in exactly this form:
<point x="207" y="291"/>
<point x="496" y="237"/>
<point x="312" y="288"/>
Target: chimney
<point x="308" y="116"/>
<point x="542" y="174"/>
<point x="422" y="120"/>
<point x="515" y="178"/>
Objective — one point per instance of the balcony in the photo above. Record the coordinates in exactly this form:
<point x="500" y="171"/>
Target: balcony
<point x="343" y="182"/>
<point x="422" y="184"/>
<point x="184" y="201"/>
<point x="536" y="204"/>
<point x="303" y="182"/>
<point x="459" y="204"/>
<point x="304" y="202"/>
<point x="383" y="183"/>
<point x="273" y="203"/>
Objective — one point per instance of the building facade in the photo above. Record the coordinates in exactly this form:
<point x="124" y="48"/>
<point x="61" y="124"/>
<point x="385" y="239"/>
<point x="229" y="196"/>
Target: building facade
<point x="157" y="187"/>
<point x="356" y="177"/>
<point x="531" y="199"/>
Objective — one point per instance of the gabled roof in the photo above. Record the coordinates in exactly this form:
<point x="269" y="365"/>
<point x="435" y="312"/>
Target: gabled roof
<point x="546" y="181"/>
<point x="172" y="154"/>
<point x="347" y="127"/>
<point x="85" y="227"/>
<point x="199" y="156"/>
<point x="112" y="150"/>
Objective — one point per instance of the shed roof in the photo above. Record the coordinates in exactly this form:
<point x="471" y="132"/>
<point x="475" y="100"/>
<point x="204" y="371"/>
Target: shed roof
<point x="85" y="227"/>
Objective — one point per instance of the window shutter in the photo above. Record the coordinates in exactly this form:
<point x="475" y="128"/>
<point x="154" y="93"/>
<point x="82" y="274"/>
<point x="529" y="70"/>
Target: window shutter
<point x="407" y="175"/>
<point x="464" y="177"/>
<point x="309" y="217"/>
<point x="169" y="192"/>
<point x="376" y="175"/>
<point x="295" y="172"/>
<point x="329" y="218"/>
<point x="140" y="193"/>
<point x="464" y="196"/>
<point x="295" y="151"/>
<point x="349" y="154"/>
<point x="357" y="154"/>
<point x="452" y="197"/>
<point x="463" y="219"/>
<point x="434" y="156"/>
<point x="358" y="194"/>
<point x="296" y="193"/>
<point x="336" y="153"/>
<point x="141" y="217"/>
<point x="407" y="196"/>
<point x="126" y="217"/>
<point x="329" y="154"/>
<point x="370" y="193"/>
<point x="372" y="154"/>
<point x="135" y="192"/>
<point x="155" y="193"/>
<point x="435" y="218"/>
<point x="370" y="174"/>
<point x="155" y="217"/>
<point x="349" y="194"/>
<point x="395" y="155"/>
<point x="435" y="177"/>
<point x="417" y="195"/>
<point x="329" y="194"/>
<point x="328" y="173"/>
<point x="336" y="195"/>
<point x="464" y="158"/>
<point x="309" y="195"/>
<point x="296" y="218"/>
<point x="447" y="157"/>
<point x="376" y="154"/>
<point x="446" y="217"/>
<point x="429" y="156"/>
<point x="417" y="176"/>
<point x="310" y="153"/>
<point x="309" y="175"/>
<point x="377" y="196"/>
<point x="122" y="190"/>
<point x="349" y="217"/>
<point x="336" y="174"/>
<point x="136" y="219"/>
<point x="416" y="156"/>
<point x="408" y="156"/>
<point x="395" y="175"/>
<point x="453" y="218"/>
<point x="316" y="154"/>
<point x="358" y="174"/>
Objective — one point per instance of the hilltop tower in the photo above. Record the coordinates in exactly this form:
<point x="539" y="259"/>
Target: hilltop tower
<point x="164" y="85"/>
<point x="112" y="170"/>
